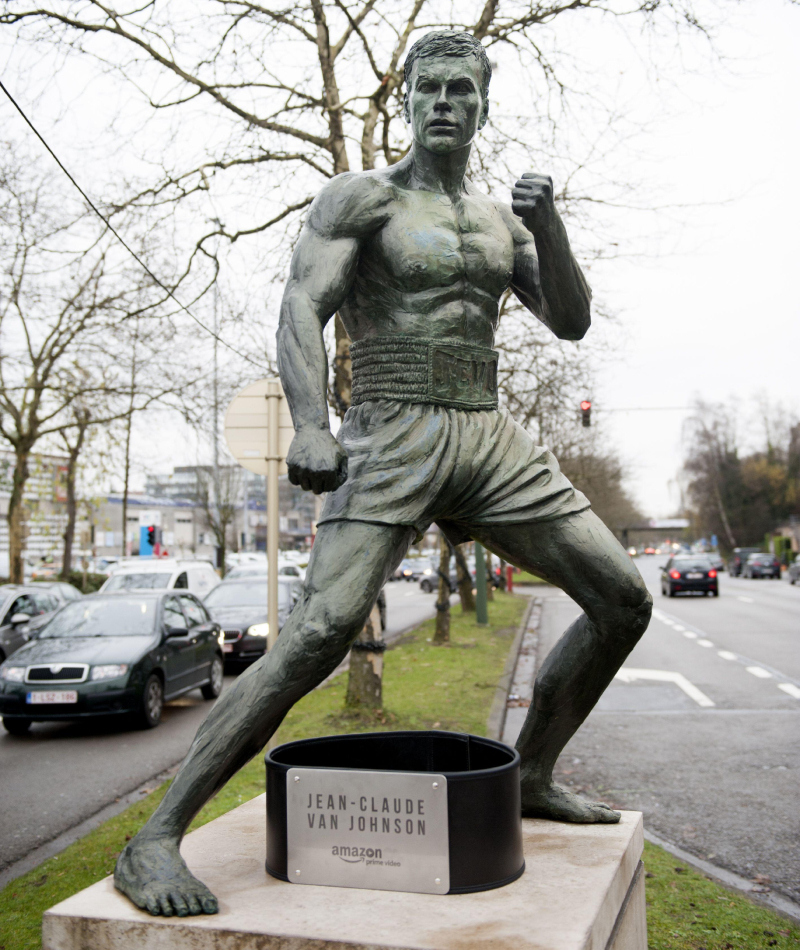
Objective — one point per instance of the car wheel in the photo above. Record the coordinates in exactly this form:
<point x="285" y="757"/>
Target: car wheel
<point x="152" y="702"/>
<point x="213" y="688"/>
<point x="715" y="592"/>
<point x="671" y="591"/>
<point x="17" y="727"/>
<point x="426" y="586"/>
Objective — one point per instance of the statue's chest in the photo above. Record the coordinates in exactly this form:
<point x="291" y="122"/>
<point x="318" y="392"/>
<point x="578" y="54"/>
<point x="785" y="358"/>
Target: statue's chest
<point x="430" y="241"/>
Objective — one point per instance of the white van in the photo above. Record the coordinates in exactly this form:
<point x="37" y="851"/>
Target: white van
<point x="164" y="573"/>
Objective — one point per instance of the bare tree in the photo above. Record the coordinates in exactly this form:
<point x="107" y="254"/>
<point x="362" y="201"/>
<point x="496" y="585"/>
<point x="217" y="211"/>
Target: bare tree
<point x="219" y="491"/>
<point x="73" y="439"/>
<point x="465" y="592"/>
<point x="442" y="630"/>
<point x="297" y="95"/>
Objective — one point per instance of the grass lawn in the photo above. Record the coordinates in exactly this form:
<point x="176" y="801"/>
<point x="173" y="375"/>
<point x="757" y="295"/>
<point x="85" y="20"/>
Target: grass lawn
<point x="525" y="578"/>
<point x="424" y="686"/>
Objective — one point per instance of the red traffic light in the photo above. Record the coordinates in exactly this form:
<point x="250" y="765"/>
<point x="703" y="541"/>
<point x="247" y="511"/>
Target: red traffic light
<point x="586" y="405"/>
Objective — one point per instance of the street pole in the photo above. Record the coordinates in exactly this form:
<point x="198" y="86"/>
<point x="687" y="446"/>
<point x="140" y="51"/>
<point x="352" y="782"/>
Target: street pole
<point x="273" y="461"/>
<point x="482" y="613"/>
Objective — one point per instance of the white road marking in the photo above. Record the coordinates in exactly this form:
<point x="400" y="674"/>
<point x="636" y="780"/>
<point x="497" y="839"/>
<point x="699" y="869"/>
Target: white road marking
<point x="628" y="675"/>
<point x="746" y="600"/>
<point x="760" y="672"/>
<point x="705" y="643"/>
<point x="689" y="635"/>
<point x="791" y="689"/>
<point x="726" y="654"/>
<point x="409" y="593"/>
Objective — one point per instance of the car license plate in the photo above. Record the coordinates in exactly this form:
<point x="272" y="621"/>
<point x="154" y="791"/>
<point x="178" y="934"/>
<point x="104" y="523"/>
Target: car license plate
<point x="693" y="577"/>
<point x="54" y="696"/>
<point x="227" y="648"/>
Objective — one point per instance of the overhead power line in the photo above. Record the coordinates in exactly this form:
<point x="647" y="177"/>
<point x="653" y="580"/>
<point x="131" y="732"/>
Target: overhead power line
<point x="119" y="237"/>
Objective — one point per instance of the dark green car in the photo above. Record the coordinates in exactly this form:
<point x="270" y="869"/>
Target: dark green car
<point x="116" y="654"/>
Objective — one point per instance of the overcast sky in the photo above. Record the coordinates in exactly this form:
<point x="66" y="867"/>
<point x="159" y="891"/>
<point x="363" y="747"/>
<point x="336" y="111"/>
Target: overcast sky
<point x="719" y="316"/>
<point x="714" y="312"/>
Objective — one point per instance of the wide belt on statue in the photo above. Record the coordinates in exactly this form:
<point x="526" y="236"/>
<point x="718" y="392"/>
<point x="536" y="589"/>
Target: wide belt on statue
<point x="416" y="369"/>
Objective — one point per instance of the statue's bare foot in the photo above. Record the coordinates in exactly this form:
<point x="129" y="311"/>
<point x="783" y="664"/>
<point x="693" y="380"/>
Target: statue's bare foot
<point x="152" y="873"/>
<point x="556" y="803"/>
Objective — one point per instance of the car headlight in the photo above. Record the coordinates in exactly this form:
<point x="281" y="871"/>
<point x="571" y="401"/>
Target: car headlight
<point x="14" y="674"/>
<point x="258" y="630"/>
<point x="109" y="672"/>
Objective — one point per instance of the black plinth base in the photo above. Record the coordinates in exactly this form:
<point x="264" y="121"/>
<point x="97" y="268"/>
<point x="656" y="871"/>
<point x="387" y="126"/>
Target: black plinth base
<point x="483" y="795"/>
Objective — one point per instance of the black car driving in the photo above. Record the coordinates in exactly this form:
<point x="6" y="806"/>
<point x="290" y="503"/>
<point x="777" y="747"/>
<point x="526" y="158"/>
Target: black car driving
<point x="689" y="574"/>
<point x="113" y="654"/>
<point x="240" y="607"/>
<point x="762" y="565"/>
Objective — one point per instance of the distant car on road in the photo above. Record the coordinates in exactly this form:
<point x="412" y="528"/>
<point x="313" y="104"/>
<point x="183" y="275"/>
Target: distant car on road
<point x="794" y="570"/>
<point x="25" y="608"/>
<point x="689" y="574"/>
<point x="123" y="653"/>
<point x="166" y="573"/>
<point x="739" y="559"/>
<point x="762" y="565"/>
<point x="240" y="607"/>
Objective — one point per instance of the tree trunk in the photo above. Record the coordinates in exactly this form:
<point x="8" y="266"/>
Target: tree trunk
<point x="442" y="634"/>
<point x="464" y="581"/>
<point x="72" y="506"/>
<point x="126" y="486"/>
<point x="365" y="677"/>
<point x="74" y="452"/>
<point x="16" y="516"/>
<point x="489" y="577"/>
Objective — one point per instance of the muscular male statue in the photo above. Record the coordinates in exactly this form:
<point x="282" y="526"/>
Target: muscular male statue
<point x="415" y="260"/>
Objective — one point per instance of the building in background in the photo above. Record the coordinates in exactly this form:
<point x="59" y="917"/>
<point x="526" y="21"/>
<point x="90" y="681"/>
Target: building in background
<point x="45" y="500"/>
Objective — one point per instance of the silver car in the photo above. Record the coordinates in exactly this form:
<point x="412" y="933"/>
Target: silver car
<point x="26" y="607"/>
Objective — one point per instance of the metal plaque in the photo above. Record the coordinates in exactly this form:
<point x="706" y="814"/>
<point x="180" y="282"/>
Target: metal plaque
<point x="385" y="831"/>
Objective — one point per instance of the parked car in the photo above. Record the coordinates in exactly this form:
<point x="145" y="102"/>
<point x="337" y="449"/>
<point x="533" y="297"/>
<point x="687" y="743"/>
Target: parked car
<point x="113" y="654"/>
<point x="240" y="607"/>
<point x="25" y="608"/>
<point x="165" y="573"/>
<point x="689" y="573"/>
<point x="405" y="571"/>
<point x="762" y="565"/>
<point x="430" y="582"/>
<point x="794" y="570"/>
<point x="739" y="558"/>
<point x="260" y="570"/>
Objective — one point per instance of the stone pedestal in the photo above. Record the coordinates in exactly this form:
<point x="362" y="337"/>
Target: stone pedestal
<point x="583" y="889"/>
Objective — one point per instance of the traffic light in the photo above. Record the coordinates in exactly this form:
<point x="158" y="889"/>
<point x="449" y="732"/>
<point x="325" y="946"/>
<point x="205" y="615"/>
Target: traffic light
<point x="151" y="535"/>
<point x="586" y="413"/>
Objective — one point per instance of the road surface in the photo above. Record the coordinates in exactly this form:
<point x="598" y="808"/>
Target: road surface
<point x="702" y="732"/>
<point x="59" y="775"/>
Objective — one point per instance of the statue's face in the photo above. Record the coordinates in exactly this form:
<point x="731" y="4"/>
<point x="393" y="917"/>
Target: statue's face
<point x="444" y="104"/>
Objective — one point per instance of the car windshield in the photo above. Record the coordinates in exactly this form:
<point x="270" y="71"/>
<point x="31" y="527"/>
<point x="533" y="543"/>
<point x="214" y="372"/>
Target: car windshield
<point x="253" y="594"/>
<point x="96" y="617"/>
<point x="693" y="564"/>
<point x="148" y="581"/>
<point x="762" y="558"/>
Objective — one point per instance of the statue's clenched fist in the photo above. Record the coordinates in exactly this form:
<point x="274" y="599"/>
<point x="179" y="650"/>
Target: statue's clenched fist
<point x="316" y="461"/>
<point x="532" y="200"/>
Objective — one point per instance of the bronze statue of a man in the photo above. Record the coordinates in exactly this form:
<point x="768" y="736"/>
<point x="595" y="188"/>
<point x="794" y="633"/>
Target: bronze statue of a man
<point x="416" y="259"/>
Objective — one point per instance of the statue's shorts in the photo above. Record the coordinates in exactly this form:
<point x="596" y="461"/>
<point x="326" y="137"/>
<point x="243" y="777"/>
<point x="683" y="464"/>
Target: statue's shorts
<point x="412" y="464"/>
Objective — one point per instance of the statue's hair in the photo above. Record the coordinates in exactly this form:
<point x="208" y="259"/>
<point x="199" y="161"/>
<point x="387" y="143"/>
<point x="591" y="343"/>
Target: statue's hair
<point x="449" y="43"/>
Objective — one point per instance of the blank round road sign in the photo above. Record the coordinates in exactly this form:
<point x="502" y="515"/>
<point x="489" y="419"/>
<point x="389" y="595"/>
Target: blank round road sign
<point x="246" y="423"/>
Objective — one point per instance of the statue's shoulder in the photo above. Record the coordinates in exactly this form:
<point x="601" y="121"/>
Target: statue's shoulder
<point x="353" y="204"/>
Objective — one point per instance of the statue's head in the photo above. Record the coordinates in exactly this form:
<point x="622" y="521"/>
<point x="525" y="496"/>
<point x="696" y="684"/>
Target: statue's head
<point x="447" y="89"/>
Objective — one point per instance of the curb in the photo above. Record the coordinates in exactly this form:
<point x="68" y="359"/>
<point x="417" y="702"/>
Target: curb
<point x="497" y="714"/>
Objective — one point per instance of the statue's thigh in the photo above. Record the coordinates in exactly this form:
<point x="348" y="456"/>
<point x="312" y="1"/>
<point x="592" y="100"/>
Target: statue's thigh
<point x="350" y="563"/>
<point x="577" y="553"/>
